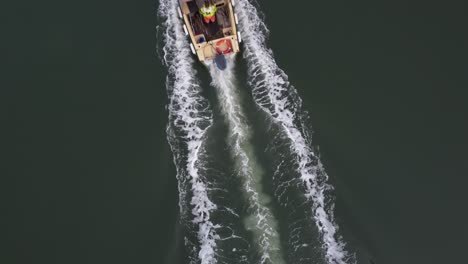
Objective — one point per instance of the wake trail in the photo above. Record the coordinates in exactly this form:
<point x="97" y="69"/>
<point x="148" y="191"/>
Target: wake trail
<point x="260" y="220"/>
<point x="273" y="93"/>
<point x="189" y="119"/>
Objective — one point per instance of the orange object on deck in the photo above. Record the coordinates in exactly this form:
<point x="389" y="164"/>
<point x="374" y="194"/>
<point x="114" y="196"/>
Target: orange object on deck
<point x="223" y="46"/>
<point x="209" y="19"/>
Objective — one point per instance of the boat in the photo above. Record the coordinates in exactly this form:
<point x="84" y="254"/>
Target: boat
<point x="211" y="41"/>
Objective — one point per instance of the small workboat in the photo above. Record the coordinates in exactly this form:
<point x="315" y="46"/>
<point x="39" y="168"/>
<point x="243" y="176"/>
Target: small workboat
<point x="211" y="41"/>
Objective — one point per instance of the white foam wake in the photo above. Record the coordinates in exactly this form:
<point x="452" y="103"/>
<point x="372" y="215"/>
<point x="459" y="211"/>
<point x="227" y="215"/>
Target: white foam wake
<point x="273" y="93"/>
<point x="261" y="221"/>
<point x="189" y="119"/>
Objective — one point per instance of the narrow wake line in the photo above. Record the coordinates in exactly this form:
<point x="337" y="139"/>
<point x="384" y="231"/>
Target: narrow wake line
<point x="189" y="119"/>
<point x="273" y="93"/>
<point x="262" y="222"/>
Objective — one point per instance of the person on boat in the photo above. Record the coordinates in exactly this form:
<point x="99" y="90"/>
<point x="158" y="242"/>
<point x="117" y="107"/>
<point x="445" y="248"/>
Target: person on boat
<point x="208" y="11"/>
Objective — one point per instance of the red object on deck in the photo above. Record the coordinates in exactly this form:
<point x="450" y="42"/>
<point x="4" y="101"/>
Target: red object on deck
<point x="223" y="46"/>
<point x="208" y="19"/>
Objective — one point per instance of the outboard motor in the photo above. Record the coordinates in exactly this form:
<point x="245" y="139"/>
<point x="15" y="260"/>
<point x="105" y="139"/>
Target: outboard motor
<point x="220" y="61"/>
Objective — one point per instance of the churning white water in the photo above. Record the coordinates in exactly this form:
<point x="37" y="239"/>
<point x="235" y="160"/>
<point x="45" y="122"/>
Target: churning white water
<point x="273" y="93"/>
<point x="260" y="221"/>
<point x="189" y="119"/>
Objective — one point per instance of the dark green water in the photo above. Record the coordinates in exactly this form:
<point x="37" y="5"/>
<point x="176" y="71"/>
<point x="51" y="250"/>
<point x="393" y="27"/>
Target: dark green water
<point x="89" y="176"/>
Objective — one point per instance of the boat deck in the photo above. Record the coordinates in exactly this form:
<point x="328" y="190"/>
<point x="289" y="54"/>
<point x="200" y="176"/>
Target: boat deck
<point x="204" y="35"/>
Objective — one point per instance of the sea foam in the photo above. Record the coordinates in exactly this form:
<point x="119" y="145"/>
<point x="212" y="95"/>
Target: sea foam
<point x="273" y="93"/>
<point x="260" y="220"/>
<point x="189" y="119"/>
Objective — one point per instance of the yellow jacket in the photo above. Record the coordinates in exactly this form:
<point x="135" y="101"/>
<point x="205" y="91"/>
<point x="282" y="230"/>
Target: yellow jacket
<point x="208" y="11"/>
